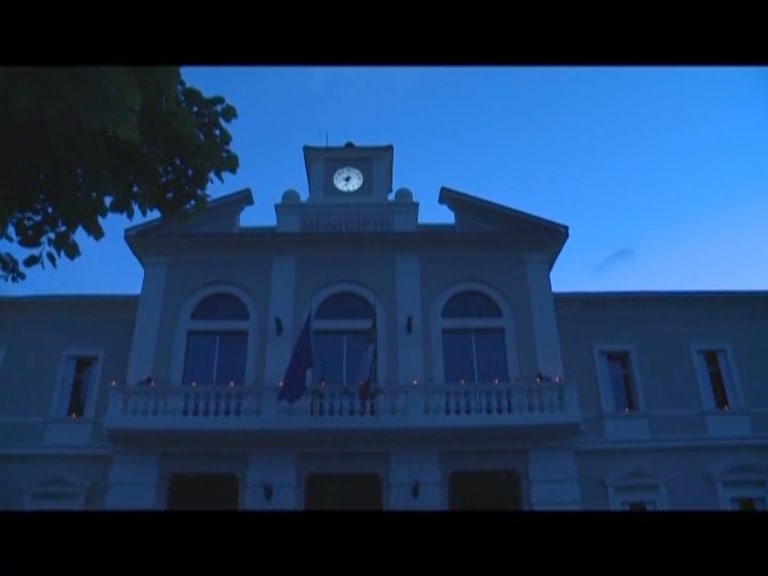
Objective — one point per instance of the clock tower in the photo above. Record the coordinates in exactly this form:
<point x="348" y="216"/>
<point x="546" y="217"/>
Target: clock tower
<point x="349" y="173"/>
<point x="349" y="193"/>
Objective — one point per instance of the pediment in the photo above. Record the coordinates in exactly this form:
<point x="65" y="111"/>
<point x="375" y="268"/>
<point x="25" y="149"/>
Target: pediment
<point x="744" y="472"/>
<point x="220" y="216"/>
<point x="635" y="476"/>
<point x="473" y="213"/>
<point x="532" y="233"/>
<point x="55" y="485"/>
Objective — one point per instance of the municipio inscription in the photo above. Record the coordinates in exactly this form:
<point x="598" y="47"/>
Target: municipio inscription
<point x="346" y="225"/>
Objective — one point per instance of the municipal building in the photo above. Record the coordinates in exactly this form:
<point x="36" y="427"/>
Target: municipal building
<point x="351" y="357"/>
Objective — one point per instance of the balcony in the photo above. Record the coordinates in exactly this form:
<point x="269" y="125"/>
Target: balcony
<point x="405" y="408"/>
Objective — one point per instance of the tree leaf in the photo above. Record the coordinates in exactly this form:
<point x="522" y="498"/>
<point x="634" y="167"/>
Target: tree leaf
<point x="85" y="143"/>
<point x="31" y="260"/>
<point x="71" y="250"/>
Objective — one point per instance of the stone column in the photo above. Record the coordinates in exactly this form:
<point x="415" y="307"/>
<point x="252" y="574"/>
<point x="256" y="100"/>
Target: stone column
<point x="410" y="347"/>
<point x="271" y="482"/>
<point x="554" y="480"/>
<point x="545" y="330"/>
<point x="133" y="481"/>
<point x="141" y="361"/>
<point x="415" y="481"/>
<point x="279" y="347"/>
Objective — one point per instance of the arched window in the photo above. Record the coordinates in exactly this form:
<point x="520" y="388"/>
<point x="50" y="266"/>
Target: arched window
<point x="344" y="329"/>
<point x="473" y="339"/>
<point x="217" y="341"/>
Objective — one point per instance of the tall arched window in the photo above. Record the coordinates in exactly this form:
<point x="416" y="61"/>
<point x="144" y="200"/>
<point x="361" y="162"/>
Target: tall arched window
<point x="344" y="328"/>
<point x="473" y="339"/>
<point x="217" y="341"/>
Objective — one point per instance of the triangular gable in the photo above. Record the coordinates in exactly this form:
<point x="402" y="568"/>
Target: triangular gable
<point x="473" y="213"/>
<point x="55" y="485"/>
<point x="221" y="215"/>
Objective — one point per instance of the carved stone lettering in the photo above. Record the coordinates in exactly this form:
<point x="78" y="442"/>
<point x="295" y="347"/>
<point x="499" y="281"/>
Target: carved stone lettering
<point x="331" y="225"/>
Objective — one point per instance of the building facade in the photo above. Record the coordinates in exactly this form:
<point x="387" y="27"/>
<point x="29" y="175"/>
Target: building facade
<point x="438" y="369"/>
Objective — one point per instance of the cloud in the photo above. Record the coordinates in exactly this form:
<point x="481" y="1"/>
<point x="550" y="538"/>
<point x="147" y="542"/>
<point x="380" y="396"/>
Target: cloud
<point x="611" y="261"/>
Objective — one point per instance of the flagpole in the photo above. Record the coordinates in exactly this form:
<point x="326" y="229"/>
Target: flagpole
<point x="312" y="337"/>
<point x="375" y="369"/>
<point x="375" y="360"/>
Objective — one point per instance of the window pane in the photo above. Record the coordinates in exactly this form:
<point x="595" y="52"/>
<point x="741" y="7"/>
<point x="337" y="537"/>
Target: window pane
<point x="221" y="307"/>
<point x="491" y="353"/>
<point x="357" y="344"/>
<point x="471" y="305"/>
<point x="200" y="356"/>
<point x="622" y="386"/>
<point x="345" y="306"/>
<point x="748" y="504"/>
<point x="715" y="370"/>
<point x="328" y="358"/>
<point x="63" y="408"/>
<point x="81" y="382"/>
<point x="230" y="364"/>
<point x="457" y="356"/>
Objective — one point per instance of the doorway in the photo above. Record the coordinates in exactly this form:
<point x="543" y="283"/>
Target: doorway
<point x="343" y="492"/>
<point x="203" y="492"/>
<point x="484" y="490"/>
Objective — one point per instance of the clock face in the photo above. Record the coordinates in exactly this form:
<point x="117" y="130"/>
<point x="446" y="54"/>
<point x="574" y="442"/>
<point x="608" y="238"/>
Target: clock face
<point x="348" y="179"/>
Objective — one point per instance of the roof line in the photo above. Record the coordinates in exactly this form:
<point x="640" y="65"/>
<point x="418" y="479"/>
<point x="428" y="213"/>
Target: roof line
<point x="559" y="295"/>
<point x="243" y="194"/>
<point x="482" y="202"/>
<point x="663" y="294"/>
<point x="70" y="297"/>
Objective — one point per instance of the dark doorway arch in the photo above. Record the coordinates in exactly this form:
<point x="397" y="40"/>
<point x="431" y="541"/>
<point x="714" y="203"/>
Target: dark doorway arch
<point x="343" y="492"/>
<point x="484" y="490"/>
<point x="203" y="492"/>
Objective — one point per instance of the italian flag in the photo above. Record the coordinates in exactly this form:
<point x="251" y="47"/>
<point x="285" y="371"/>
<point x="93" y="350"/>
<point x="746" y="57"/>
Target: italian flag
<point x="368" y="368"/>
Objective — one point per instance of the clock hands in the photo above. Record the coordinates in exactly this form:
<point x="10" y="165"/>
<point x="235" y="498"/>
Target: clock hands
<point x="348" y="179"/>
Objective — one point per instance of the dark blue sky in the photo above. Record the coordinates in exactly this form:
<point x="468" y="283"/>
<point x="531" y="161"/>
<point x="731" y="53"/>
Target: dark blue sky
<point x="661" y="174"/>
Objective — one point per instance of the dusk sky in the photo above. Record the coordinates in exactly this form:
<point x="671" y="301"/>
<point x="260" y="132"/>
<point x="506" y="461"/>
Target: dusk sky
<point x="660" y="174"/>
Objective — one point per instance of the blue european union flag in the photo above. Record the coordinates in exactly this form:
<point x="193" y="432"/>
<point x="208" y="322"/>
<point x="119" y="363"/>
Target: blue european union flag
<point x="295" y="379"/>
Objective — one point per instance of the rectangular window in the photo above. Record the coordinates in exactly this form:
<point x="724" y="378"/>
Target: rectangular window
<point x="474" y="355"/>
<point x="748" y="504"/>
<point x="215" y="358"/>
<point x="618" y="370"/>
<point x="638" y="505"/>
<point x="77" y="386"/>
<point x="713" y="367"/>
<point x="338" y="356"/>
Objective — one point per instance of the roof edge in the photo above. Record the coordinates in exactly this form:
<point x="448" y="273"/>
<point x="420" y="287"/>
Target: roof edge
<point x="54" y="298"/>
<point x="450" y="196"/>
<point x="243" y="197"/>
<point x="660" y="294"/>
